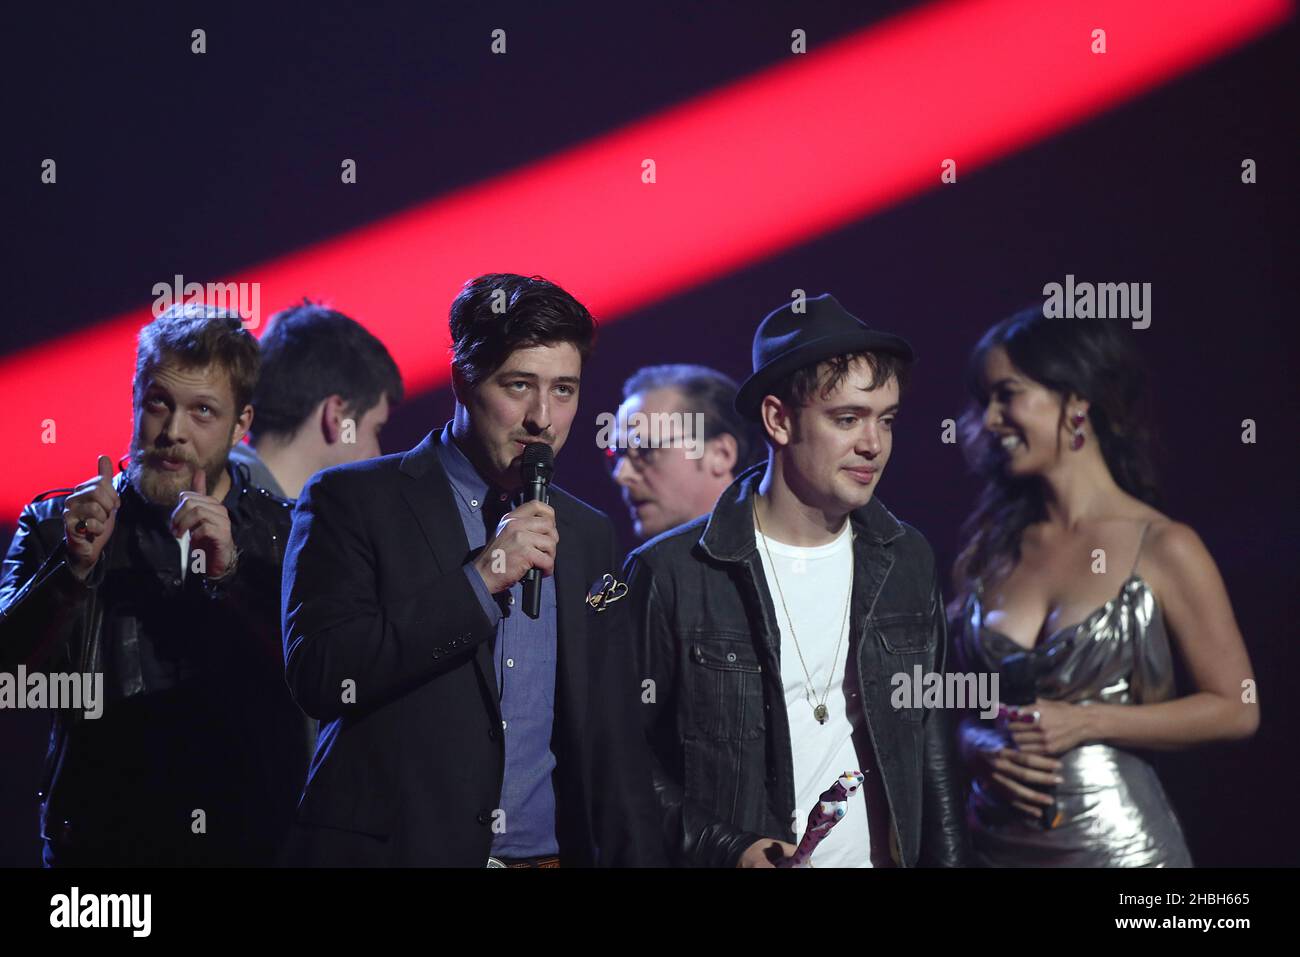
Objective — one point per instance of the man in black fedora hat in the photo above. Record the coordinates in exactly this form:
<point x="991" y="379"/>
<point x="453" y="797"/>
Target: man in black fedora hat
<point x="769" y="630"/>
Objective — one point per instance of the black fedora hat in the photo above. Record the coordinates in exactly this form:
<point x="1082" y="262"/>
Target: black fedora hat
<point x="786" y="341"/>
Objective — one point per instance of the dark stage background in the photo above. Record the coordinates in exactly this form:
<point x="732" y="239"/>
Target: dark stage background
<point x="169" y="169"/>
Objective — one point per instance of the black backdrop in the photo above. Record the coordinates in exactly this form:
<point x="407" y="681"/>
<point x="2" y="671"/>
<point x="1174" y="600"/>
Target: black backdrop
<point x="202" y="171"/>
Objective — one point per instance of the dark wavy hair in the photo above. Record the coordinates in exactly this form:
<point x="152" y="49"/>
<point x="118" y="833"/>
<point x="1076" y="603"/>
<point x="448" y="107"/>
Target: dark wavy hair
<point x="497" y="313"/>
<point x="310" y="352"/>
<point x="1093" y="358"/>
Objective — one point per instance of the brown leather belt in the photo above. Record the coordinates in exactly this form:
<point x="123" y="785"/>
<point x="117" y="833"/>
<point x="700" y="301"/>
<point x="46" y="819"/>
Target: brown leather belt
<point x="523" y="862"/>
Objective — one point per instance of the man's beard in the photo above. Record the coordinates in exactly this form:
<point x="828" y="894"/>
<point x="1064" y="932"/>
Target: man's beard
<point x="163" y="488"/>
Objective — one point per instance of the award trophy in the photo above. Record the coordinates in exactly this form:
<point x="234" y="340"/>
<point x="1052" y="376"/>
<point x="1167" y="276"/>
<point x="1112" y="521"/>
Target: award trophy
<point x="832" y="805"/>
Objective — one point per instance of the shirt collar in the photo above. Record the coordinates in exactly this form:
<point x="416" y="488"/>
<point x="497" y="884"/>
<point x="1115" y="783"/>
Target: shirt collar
<point x="245" y="456"/>
<point x="465" y="480"/>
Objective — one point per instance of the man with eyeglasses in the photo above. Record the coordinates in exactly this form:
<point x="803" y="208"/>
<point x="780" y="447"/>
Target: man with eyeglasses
<point x="670" y="471"/>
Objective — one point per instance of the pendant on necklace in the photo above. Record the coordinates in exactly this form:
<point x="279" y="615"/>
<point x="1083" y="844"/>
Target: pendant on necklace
<point x="820" y="713"/>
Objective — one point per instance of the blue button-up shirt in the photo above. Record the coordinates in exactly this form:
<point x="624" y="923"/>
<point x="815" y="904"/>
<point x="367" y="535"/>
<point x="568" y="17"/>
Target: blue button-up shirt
<point x="524" y="653"/>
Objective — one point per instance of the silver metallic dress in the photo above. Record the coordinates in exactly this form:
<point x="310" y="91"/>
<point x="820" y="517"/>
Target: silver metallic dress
<point x="1113" y="810"/>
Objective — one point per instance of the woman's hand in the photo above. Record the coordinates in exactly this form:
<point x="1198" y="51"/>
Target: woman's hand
<point x="1021" y="780"/>
<point x="1050" y="727"/>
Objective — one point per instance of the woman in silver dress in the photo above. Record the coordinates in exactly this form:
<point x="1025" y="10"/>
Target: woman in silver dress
<point x="1074" y="587"/>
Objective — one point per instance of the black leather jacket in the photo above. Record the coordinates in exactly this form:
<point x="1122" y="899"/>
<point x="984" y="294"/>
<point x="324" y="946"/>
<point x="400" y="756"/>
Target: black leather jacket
<point x="221" y="633"/>
<point x="709" y="640"/>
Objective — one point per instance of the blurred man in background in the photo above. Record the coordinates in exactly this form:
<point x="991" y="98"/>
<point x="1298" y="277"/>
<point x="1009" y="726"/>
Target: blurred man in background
<point x="678" y="478"/>
<point x="324" y="395"/>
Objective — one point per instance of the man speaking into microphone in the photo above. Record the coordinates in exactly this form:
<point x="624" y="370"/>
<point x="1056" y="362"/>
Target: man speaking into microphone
<point x="457" y="729"/>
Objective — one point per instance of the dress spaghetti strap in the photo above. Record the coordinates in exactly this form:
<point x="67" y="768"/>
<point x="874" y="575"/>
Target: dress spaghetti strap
<point x="1141" y="541"/>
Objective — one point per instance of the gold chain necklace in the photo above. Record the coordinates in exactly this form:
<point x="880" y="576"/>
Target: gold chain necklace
<point x="820" y="711"/>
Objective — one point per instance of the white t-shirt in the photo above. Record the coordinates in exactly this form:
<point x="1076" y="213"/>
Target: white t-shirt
<point x="816" y="583"/>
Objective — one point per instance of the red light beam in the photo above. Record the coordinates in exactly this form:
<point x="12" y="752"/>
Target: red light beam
<point x="742" y="172"/>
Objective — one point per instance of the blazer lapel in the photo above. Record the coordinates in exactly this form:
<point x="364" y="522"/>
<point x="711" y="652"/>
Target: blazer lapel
<point x="432" y="502"/>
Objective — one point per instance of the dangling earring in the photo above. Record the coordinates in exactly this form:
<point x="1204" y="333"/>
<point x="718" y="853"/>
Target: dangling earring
<point x="1077" y="421"/>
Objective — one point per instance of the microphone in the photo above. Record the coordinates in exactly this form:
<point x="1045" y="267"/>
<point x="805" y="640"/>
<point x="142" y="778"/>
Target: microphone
<point x="1019" y="677"/>
<point x="537" y="468"/>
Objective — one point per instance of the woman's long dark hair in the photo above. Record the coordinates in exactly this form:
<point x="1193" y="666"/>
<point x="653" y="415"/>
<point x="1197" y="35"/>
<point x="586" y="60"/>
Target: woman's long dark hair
<point x="1092" y="358"/>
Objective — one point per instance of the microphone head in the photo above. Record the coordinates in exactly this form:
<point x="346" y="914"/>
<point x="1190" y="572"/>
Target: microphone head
<point x="538" y="462"/>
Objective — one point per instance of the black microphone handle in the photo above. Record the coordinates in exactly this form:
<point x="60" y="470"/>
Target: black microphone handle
<point x="538" y="491"/>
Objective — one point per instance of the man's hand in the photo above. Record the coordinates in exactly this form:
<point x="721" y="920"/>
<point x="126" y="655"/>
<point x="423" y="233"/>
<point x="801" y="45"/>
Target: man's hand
<point x="208" y="523"/>
<point x="765" y="853"/>
<point x="89" y="515"/>
<point x="525" y="538"/>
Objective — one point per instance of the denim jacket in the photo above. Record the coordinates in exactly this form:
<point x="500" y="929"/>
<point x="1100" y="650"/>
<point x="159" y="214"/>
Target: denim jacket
<point x="713" y="704"/>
